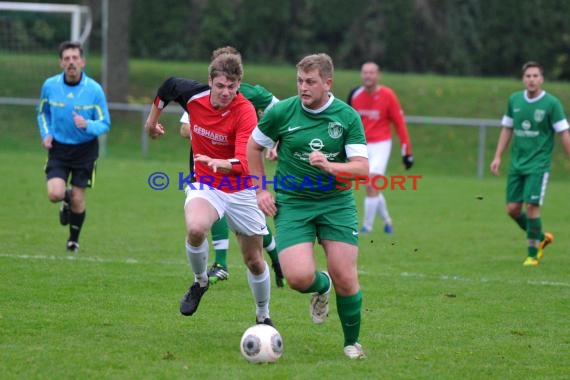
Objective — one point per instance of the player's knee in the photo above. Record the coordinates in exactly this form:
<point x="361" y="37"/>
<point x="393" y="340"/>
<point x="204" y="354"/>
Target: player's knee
<point x="196" y="233"/>
<point x="345" y="279"/>
<point x="299" y="281"/>
<point x="346" y="286"/>
<point x="55" y="196"/>
<point x="254" y="262"/>
<point x="514" y="210"/>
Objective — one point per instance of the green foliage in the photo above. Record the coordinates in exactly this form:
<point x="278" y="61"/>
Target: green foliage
<point x="470" y="37"/>
<point x="217" y="27"/>
<point x="25" y="32"/>
<point x="163" y="37"/>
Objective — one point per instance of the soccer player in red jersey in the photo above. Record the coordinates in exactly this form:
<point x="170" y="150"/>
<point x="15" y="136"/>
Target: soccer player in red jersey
<point x="221" y="120"/>
<point x="379" y="108"/>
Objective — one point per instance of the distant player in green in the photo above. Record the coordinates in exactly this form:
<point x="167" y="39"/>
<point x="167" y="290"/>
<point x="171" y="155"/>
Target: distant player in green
<point x="533" y="118"/>
<point x="319" y="137"/>
<point x="262" y="100"/>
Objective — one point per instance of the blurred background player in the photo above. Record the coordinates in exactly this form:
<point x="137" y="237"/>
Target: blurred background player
<point x="262" y="100"/>
<point x="532" y="119"/>
<point x="71" y="114"/>
<point x="379" y="108"/>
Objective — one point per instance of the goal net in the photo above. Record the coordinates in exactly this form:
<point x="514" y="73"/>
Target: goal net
<point x="30" y="34"/>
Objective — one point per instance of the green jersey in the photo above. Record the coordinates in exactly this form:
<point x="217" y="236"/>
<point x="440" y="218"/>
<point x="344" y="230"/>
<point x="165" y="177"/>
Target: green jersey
<point x="534" y="122"/>
<point x="258" y="95"/>
<point x="335" y="130"/>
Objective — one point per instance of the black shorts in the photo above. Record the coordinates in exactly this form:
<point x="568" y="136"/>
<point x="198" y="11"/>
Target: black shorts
<point x="78" y="160"/>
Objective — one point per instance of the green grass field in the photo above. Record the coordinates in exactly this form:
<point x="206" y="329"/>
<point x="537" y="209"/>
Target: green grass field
<point x="446" y="296"/>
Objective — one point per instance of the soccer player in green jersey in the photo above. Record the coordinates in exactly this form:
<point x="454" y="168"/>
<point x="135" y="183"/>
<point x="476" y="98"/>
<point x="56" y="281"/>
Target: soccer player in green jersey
<point x="262" y="100"/>
<point x="319" y="138"/>
<point x="533" y="118"/>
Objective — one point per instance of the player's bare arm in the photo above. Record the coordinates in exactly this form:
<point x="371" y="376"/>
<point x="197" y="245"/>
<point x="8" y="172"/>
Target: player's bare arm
<point x="152" y="127"/>
<point x="79" y="121"/>
<point x="565" y="138"/>
<point x="356" y="166"/>
<point x="271" y="153"/>
<point x="504" y="139"/>
<point x="265" y="200"/>
<point x="47" y="142"/>
<point x="185" y="131"/>
<point x="215" y="164"/>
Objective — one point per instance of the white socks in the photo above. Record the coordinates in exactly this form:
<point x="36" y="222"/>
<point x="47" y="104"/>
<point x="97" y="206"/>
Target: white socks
<point x="373" y="205"/>
<point x="198" y="259"/>
<point x="383" y="209"/>
<point x="260" y="286"/>
<point x="370" y="209"/>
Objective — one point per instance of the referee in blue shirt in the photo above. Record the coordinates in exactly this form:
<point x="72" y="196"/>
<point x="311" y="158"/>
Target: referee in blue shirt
<point x="72" y="113"/>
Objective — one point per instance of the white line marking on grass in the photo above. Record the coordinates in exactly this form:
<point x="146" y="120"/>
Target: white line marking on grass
<point x="547" y="283"/>
<point x="483" y="279"/>
<point x="89" y="259"/>
<point x="443" y="277"/>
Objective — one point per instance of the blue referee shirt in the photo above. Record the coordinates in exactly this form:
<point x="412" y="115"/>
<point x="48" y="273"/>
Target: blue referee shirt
<point x="58" y="101"/>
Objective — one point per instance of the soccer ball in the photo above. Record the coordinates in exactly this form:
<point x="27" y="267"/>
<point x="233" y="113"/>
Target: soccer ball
<point x="261" y="344"/>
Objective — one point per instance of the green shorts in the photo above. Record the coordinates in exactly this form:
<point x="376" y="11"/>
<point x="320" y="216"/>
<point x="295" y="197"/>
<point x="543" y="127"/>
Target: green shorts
<point x="303" y="221"/>
<point x="527" y="188"/>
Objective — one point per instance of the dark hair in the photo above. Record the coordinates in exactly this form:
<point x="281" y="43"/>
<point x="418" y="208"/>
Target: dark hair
<point x="530" y="64"/>
<point x="70" y="45"/>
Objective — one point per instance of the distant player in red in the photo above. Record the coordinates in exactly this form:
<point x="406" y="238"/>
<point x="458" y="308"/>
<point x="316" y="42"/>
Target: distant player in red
<point x="221" y="122"/>
<point x="379" y="108"/>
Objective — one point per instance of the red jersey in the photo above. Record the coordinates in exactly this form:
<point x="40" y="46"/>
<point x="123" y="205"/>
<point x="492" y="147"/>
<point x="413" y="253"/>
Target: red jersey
<point x="218" y="133"/>
<point x="378" y="111"/>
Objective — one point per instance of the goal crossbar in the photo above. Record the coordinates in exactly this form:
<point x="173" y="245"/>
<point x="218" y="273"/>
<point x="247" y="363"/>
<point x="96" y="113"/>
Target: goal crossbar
<point x="76" y="11"/>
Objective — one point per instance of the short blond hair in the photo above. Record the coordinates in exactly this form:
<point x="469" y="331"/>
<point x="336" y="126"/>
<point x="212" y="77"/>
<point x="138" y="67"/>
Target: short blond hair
<point x="321" y="61"/>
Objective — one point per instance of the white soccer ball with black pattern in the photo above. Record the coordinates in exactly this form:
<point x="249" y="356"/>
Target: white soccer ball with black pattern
<point x="261" y="344"/>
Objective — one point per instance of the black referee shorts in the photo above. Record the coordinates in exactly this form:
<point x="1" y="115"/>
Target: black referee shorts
<point x="75" y="160"/>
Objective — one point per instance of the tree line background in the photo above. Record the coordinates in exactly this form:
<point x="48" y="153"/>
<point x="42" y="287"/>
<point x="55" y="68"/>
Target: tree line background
<point x="453" y="37"/>
<point x="458" y="37"/>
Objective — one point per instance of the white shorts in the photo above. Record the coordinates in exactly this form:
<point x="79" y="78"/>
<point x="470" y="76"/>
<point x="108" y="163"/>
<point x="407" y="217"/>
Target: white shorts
<point x="240" y="208"/>
<point x="378" y="156"/>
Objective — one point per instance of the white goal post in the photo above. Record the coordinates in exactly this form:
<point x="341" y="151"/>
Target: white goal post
<point x="76" y="12"/>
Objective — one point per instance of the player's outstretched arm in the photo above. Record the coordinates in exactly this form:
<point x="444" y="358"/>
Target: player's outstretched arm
<point x="152" y="127"/>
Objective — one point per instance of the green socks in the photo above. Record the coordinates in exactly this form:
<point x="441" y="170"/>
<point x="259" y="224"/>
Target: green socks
<point x="534" y="235"/>
<point x="220" y="241"/>
<point x="320" y="285"/>
<point x="270" y="246"/>
<point x="349" y="311"/>
<point x="522" y="222"/>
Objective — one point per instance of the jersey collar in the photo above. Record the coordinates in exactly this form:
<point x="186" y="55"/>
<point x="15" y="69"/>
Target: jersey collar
<point x="324" y="107"/>
<point x="533" y="99"/>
